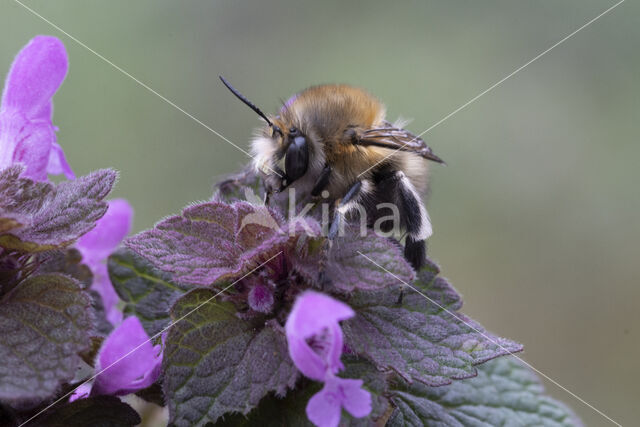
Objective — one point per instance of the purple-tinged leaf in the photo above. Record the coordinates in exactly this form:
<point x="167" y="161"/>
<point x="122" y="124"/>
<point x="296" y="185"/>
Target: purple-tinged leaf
<point x="419" y="339"/>
<point x="91" y="411"/>
<point x="504" y="393"/>
<point x="215" y="363"/>
<point x="44" y="324"/>
<point x="147" y="292"/>
<point x="212" y="242"/>
<point x="51" y="216"/>
<point x="244" y="186"/>
<point x="348" y="270"/>
<point x="19" y="197"/>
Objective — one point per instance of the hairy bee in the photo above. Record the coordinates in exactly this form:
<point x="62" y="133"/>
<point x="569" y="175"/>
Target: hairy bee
<point x="334" y="140"/>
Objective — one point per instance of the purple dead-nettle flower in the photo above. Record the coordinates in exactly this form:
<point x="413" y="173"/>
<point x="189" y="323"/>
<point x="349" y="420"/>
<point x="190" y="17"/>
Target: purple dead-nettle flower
<point x="260" y="297"/>
<point x="315" y="346"/>
<point x="98" y="244"/>
<point x="27" y="134"/>
<point x="127" y="367"/>
<point x="82" y="391"/>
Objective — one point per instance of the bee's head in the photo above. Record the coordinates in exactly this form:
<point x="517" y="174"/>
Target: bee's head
<point x="282" y="151"/>
<point x="290" y="155"/>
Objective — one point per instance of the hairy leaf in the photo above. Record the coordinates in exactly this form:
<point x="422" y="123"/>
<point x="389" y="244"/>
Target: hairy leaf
<point x="216" y="363"/>
<point x="504" y="393"/>
<point x="50" y="216"/>
<point x="244" y="186"/>
<point x="44" y="324"/>
<point x="248" y="186"/>
<point x="376" y="383"/>
<point x="102" y="326"/>
<point x="212" y="242"/>
<point x="349" y="270"/>
<point x="67" y="261"/>
<point x="423" y="338"/>
<point x="148" y="293"/>
<point x="91" y="411"/>
<point x="152" y="394"/>
<point x="275" y="411"/>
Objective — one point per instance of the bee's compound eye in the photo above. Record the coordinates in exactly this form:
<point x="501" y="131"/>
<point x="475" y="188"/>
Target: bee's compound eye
<point x="296" y="160"/>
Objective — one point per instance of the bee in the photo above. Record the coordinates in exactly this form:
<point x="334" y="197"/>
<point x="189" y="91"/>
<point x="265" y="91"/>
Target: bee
<point x="334" y="141"/>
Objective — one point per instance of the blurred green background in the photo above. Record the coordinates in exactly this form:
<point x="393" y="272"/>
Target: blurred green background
<point x="536" y="215"/>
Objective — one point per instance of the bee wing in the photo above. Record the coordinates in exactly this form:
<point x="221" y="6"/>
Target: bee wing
<point x="395" y="138"/>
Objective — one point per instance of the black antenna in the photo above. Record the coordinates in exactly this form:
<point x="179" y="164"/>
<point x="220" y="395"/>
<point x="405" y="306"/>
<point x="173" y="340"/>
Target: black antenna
<point x="242" y="98"/>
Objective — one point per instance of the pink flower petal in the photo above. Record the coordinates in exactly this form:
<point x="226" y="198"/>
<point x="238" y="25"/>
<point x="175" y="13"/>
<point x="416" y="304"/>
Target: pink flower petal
<point x="314" y="311"/>
<point x="26" y="132"/>
<point x="315" y="317"/>
<point x="129" y="360"/>
<point x="81" y="392"/>
<point x="102" y="284"/>
<point x="356" y="400"/>
<point x="323" y="409"/>
<point x="306" y="360"/>
<point x="335" y="350"/>
<point x="33" y="150"/>
<point x="36" y="74"/>
<point x="100" y="242"/>
<point x="58" y="162"/>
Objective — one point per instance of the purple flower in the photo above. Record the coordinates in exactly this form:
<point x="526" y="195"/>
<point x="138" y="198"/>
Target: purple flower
<point x="98" y="244"/>
<point x="315" y="346"/>
<point x="82" y="391"/>
<point x="127" y="368"/>
<point x="324" y="407"/>
<point x="260" y="298"/>
<point x="27" y="134"/>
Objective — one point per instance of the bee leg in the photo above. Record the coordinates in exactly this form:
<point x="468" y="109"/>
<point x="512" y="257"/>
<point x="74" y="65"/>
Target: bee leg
<point x="415" y="219"/>
<point x="347" y="203"/>
<point x="267" y="197"/>
<point x="322" y="182"/>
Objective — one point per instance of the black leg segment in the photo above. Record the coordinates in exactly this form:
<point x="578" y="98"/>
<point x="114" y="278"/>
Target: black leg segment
<point x="322" y="182"/>
<point x="346" y="203"/>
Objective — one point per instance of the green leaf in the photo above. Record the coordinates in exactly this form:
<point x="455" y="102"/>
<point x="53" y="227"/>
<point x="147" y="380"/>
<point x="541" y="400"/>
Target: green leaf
<point x="107" y="411"/>
<point x="504" y="393"/>
<point x="215" y="363"/>
<point x="291" y="410"/>
<point x="276" y="411"/>
<point x="147" y="292"/>
<point x="66" y="261"/>
<point x="376" y="383"/>
<point x="44" y="324"/>
<point x="418" y="338"/>
<point x="152" y="394"/>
